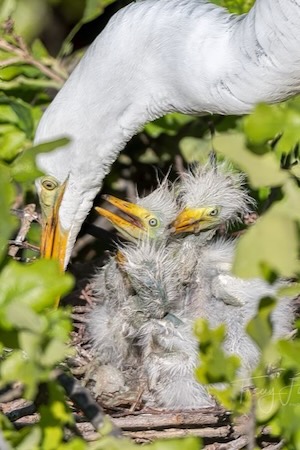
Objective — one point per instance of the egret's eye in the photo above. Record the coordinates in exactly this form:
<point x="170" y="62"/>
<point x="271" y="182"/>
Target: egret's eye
<point x="153" y="222"/>
<point x="49" y="184"/>
<point x="214" y="212"/>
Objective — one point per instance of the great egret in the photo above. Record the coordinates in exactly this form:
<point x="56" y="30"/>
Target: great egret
<point x="155" y="57"/>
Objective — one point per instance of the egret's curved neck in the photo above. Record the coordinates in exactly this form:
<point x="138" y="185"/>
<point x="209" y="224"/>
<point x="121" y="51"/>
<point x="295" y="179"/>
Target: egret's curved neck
<point x="266" y="43"/>
<point x="160" y="56"/>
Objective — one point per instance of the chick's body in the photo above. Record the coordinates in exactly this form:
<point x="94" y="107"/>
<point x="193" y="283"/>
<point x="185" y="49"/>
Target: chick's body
<point x="119" y="311"/>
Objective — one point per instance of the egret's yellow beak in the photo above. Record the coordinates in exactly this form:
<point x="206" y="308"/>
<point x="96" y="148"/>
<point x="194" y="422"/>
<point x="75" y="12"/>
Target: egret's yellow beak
<point x="134" y="226"/>
<point x="54" y="239"/>
<point x="194" y="220"/>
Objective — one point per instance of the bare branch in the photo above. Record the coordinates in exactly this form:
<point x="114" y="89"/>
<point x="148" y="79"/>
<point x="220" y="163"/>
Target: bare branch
<point x="84" y="401"/>
<point x="24" y="56"/>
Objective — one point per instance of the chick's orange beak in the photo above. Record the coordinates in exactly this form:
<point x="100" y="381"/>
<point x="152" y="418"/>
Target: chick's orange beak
<point x="193" y="220"/>
<point x="132" y="226"/>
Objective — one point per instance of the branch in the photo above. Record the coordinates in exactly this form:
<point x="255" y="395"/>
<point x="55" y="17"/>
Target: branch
<point x="81" y="397"/>
<point x="22" y="55"/>
<point x="28" y="216"/>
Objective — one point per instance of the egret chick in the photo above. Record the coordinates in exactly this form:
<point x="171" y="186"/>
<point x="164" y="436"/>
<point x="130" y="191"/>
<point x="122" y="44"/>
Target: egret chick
<point x="210" y="196"/>
<point x="110" y="321"/>
<point x="213" y="292"/>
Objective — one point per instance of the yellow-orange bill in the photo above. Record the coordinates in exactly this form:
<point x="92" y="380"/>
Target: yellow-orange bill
<point x="53" y="239"/>
<point x="194" y="220"/>
<point x="132" y="226"/>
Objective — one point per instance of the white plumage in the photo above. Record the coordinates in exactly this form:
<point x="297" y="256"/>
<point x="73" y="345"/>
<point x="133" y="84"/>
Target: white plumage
<point x="156" y="57"/>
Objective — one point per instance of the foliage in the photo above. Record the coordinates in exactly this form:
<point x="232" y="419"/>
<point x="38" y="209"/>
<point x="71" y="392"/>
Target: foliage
<point x="33" y="337"/>
<point x="235" y="6"/>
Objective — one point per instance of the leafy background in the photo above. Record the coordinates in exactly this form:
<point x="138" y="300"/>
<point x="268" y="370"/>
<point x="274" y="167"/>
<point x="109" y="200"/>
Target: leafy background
<point x="36" y="55"/>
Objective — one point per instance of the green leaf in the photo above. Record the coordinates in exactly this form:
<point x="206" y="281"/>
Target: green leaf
<point x="53" y="353"/>
<point x="215" y="366"/>
<point x="39" y="50"/>
<point x="39" y="284"/>
<point x="7" y="7"/>
<point x="170" y="124"/>
<point x="271" y="242"/>
<point x="31" y="441"/>
<point x="11" y="143"/>
<point x="94" y="8"/>
<point x="287" y="205"/>
<point x="268" y="121"/>
<point x="260" y="328"/>
<point x="235" y="6"/>
<point x="264" y="124"/>
<point x="195" y="149"/>
<point x="17" y="367"/>
<point x="17" y="112"/>
<point x="24" y="167"/>
<point x="263" y="170"/>
<point x="292" y="290"/>
<point x="21" y="317"/>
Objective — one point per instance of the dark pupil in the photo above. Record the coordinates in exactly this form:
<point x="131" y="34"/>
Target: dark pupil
<point x="49" y="185"/>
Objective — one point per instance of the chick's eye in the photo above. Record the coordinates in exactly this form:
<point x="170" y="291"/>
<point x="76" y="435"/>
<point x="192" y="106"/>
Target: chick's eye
<point x="153" y="222"/>
<point x="214" y="212"/>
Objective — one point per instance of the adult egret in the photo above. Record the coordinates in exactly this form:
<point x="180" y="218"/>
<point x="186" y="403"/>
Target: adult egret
<point x="154" y="57"/>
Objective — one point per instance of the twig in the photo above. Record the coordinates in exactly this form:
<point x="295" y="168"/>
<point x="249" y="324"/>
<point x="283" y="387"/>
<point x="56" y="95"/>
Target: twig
<point x="83" y="400"/>
<point x="220" y="432"/>
<point x="179" y="166"/>
<point x="80" y="318"/>
<point x="81" y="309"/>
<point x="19" y="413"/>
<point x="26" y="245"/>
<point x="23" y="56"/>
<point x="213" y="417"/>
<point x="277" y="446"/>
<point x="87" y="294"/>
<point x="11" y="394"/>
<point x="237" y="444"/>
<point x="29" y="215"/>
<point x="138" y="397"/>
